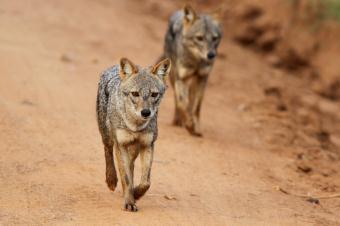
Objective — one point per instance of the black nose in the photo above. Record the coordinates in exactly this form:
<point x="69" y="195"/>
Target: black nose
<point x="211" y="55"/>
<point x="146" y="113"/>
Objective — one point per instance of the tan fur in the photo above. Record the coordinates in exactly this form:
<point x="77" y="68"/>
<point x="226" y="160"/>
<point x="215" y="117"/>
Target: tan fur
<point x="125" y="92"/>
<point x="191" y="42"/>
<point x="125" y="137"/>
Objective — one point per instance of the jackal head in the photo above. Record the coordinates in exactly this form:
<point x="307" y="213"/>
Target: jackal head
<point x="201" y="33"/>
<point x="142" y="89"/>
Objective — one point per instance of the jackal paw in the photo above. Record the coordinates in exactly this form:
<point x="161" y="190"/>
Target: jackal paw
<point x="111" y="183"/>
<point x="131" y="207"/>
<point x="196" y="133"/>
<point x="177" y="122"/>
<point x="194" y="130"/>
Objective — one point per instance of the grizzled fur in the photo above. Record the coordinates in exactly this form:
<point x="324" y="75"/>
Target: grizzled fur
<point x="127" y="106"/>
<point x="191" y="43"/>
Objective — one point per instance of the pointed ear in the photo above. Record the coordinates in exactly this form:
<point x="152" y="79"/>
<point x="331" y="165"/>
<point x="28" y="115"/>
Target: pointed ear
<point x="162" y="69"/>
<point x="189" y="14"/>
<point x="127" y="68"/>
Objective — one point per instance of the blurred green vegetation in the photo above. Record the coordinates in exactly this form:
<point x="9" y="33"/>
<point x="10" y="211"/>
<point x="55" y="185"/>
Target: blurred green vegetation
<point x="323" y="9"/>
<point x="331" y="9"/>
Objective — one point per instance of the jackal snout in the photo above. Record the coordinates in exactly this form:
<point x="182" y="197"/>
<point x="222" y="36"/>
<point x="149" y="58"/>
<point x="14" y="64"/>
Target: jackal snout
<point x="211" y="55"/>
<point x="143" y="102"/>
<point x="146" y="112"/>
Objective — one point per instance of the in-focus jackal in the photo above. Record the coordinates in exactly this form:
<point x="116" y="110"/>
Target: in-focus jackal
<point x="127" y="106"/>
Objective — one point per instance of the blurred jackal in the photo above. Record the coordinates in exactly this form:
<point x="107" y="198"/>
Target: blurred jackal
<point x="127" y="106"/>
<point x="191" y="43"/>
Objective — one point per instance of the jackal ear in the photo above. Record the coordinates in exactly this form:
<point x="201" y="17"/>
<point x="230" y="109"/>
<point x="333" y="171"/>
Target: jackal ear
<point x="127" y="68"/>
<point x="189" y="14"/>
<point x="162" y="69"/>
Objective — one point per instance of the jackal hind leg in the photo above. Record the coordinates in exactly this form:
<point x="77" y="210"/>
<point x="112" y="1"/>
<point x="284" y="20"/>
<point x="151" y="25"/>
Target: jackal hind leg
<point x="111" y="175"/>
<point x="146" y="156"/>
<point x="124" y="165"/>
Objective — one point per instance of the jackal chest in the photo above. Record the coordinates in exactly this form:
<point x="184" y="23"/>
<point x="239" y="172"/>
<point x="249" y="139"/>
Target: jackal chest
<point x="127" y="137"/>
<point x="186" y="72"/>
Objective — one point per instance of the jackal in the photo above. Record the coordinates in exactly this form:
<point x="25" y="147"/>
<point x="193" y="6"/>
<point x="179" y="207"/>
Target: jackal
<point x="127" y="106"/>
<point x="191" y="43"/>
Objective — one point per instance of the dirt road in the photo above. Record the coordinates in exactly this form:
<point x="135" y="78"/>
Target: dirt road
<point x="51" y="155"/>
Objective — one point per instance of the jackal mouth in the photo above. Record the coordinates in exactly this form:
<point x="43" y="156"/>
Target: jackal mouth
<point x="145" y="119"/>
<point x="207" y="62"/>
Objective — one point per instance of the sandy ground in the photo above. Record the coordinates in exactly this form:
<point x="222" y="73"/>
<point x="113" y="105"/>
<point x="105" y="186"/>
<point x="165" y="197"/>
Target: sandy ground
<point x="51" y="155"/>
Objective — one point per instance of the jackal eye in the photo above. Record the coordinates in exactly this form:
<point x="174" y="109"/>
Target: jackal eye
<point x="199" y="38"/>
<point x="135" y="94"/>
<point x="154" y="94"/>
<point x="214" y="38"/>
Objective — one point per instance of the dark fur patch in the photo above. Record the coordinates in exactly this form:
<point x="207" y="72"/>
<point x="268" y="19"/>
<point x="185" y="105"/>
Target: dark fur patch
<point x="127" y="180"/>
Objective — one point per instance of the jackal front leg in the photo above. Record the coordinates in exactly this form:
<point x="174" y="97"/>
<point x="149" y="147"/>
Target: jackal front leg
<point x="182" y="112"/>
<point x="146" y="156"/>
<point x="124" y="164"/>
<point x="198" y="88"/>
<point x="178" y="121"/>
